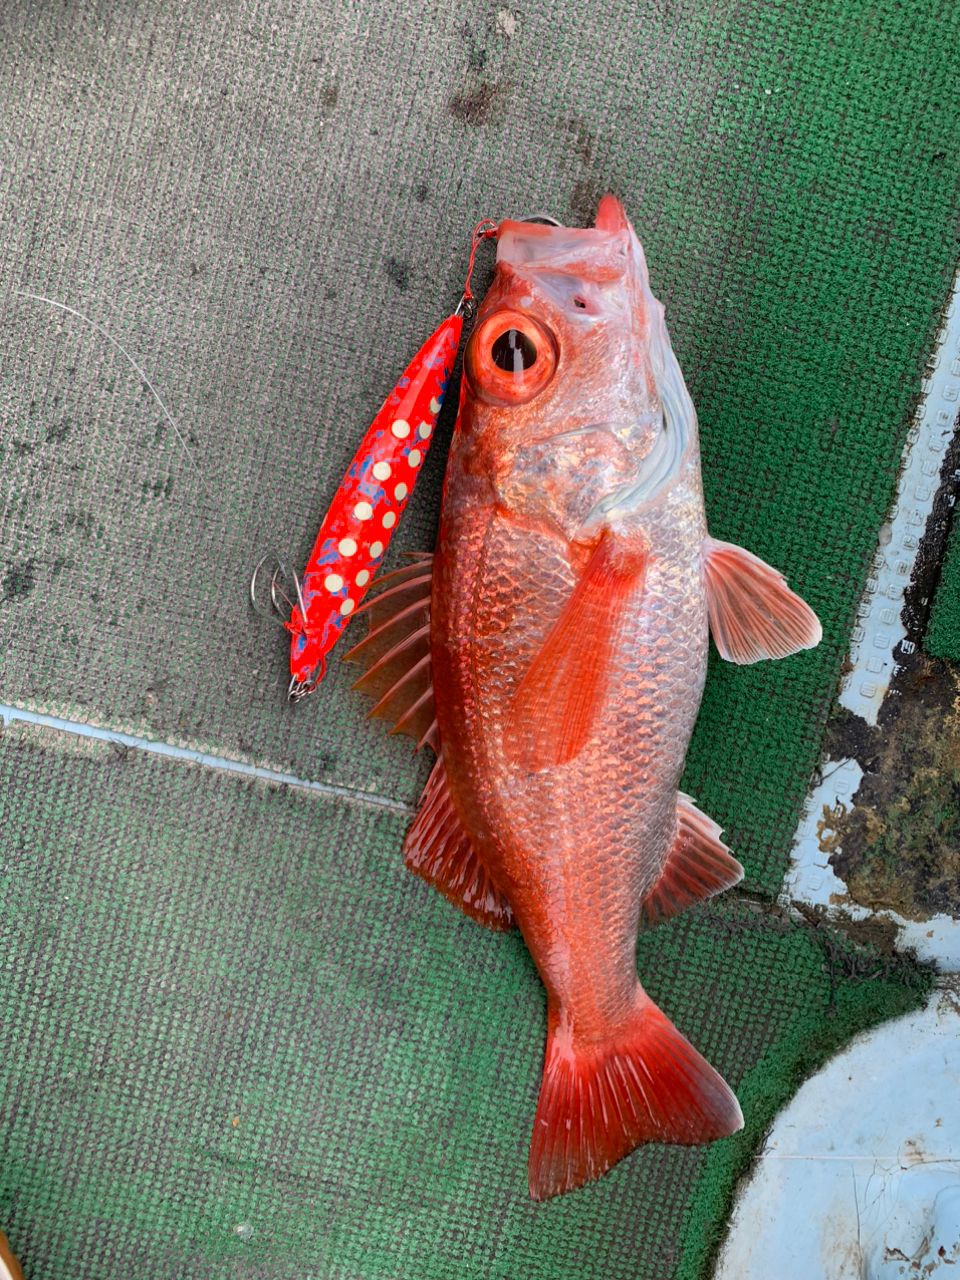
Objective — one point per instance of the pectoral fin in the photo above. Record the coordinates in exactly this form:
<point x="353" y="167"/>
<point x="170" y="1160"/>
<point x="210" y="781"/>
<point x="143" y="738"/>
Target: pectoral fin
<point x="557" y="702"/>
<point x="753" y="613"/>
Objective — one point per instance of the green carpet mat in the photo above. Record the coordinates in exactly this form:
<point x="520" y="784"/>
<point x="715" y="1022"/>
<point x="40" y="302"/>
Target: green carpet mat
<point x="943" y="633"/>
<point x="269" y="207"/>
<point x="240" y="1039"/>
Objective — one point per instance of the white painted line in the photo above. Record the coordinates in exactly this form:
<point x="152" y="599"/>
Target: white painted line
<point x="13" y="715"/>
<point x="811" y="878"/>
<point x="879" y="628"/>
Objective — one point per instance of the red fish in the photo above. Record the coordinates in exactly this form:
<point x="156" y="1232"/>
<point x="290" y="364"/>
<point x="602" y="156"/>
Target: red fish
<point x="553" y="651"/>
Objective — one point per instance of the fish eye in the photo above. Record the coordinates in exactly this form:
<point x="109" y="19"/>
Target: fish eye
<point x="510" y="358"/>
<point x="513" y="351"/>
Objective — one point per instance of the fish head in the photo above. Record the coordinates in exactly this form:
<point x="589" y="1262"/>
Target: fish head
<point x="571" y="341"/>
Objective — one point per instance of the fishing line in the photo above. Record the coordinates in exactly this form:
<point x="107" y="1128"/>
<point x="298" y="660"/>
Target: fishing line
<point x="281" y="573"/>
<point x="359" y="524"/>
<point x="486" y="229"/>
<point x="104" y="333"/>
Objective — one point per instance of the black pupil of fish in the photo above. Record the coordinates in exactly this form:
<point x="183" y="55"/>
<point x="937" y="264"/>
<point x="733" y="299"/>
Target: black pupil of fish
<point x="513" y="351"/>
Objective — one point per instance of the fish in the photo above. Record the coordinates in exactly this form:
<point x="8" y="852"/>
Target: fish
<point x="553" y="651"/>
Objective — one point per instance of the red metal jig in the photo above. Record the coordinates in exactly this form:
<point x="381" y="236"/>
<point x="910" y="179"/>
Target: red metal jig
<point x="360" y="522"/>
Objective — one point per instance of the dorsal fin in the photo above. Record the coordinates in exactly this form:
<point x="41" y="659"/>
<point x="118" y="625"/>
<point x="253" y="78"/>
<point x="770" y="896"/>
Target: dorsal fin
<point x="438" y="849"/>
<point x="396" y="655"/>
<point x="396" y="651"/>
<point x="698" y="865"/>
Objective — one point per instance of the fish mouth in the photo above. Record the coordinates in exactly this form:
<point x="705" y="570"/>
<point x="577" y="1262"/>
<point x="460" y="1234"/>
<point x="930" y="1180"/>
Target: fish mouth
<point x="608" y="253"/>
<point x="600" y="250"/>
<point x="611" y="215"/>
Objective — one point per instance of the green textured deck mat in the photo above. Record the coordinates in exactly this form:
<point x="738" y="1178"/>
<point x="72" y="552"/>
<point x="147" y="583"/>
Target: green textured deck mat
<point x="269" y="208"/>
<point x="943" y="633"/>
<point x="240" y="1040"/>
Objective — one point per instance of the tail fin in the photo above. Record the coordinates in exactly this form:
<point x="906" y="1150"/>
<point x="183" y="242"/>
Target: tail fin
<point x="600" y="1101"/>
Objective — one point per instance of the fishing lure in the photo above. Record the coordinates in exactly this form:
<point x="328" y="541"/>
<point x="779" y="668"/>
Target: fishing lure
<point x="366" y="509"/>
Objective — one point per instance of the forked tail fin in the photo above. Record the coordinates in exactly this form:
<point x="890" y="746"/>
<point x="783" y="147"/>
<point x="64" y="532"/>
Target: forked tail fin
<point x="600" y="1101"/>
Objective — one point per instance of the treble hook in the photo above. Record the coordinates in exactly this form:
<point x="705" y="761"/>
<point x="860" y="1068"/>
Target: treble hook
<point x="281" y="575"/>
<point x="298" y="688"/>
<point x="345" y="555"/>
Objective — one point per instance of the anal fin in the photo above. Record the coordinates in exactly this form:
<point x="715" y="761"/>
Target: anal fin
<point x="440" y="851"/>
<point x="698" y="865"/>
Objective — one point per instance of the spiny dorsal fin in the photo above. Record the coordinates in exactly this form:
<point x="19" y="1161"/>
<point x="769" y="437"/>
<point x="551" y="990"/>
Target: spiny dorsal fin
<point x="559" y="698"/>
<point x="698" y="865"/>
<point x="396" y="652"/>
<point x="438" y="849"/>
<point x="753" y="613"/>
